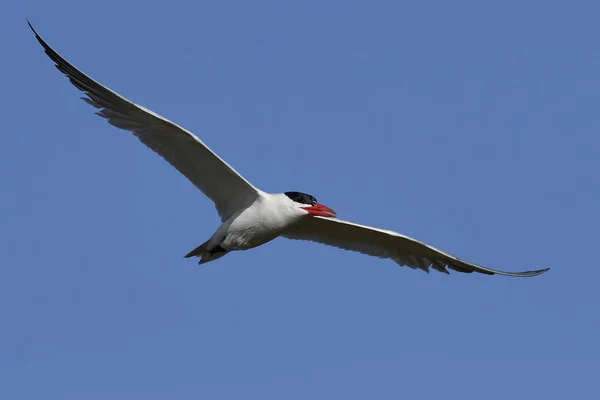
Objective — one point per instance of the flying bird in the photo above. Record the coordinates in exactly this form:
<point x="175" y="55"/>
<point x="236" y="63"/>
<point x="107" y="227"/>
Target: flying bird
<point x="249" y="216"/>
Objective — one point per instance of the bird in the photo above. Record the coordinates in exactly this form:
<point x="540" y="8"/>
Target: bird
<point x="249" y="216"/>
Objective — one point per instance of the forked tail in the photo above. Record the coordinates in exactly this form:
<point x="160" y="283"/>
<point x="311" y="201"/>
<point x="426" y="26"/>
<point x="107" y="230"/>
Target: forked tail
<point x="198" y="251"/>
<point x="206" y="255"/>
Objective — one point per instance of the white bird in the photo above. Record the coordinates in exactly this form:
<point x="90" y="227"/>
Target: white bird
<point x="251" y="217"/>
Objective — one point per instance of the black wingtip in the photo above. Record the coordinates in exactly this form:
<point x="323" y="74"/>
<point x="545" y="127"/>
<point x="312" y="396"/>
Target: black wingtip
<point x="37" y="36"/>
<point x="529" y="274"/>
<point x="31" y="26"/>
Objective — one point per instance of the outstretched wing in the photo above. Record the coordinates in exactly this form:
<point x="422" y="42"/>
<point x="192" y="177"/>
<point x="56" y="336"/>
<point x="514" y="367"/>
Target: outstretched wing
<point x="386" y="244"/>
<point x="178" y="146"/>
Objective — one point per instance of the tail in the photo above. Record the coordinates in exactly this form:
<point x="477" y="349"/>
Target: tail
<point x="198" y="251"/>
<point x="205" y="255"/>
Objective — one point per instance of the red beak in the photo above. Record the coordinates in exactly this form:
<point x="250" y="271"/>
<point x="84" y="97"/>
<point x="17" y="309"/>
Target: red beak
<point x="320" y="210"/>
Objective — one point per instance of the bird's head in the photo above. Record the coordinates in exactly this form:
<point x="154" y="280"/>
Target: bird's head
<point x="309" y="204"/>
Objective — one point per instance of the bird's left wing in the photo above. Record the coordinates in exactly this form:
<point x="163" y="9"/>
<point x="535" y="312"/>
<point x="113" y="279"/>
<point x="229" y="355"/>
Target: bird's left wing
<point x="178" y="146"/>
<point x="386" y="244"/>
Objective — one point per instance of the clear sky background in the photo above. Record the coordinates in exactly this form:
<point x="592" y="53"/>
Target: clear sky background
<point x="470" y="125"/>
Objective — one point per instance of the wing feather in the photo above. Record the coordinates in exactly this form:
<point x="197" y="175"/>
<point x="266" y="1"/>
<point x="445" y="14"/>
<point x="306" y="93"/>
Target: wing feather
<point x="387" y="244"/>
<point x="178" y="146"/>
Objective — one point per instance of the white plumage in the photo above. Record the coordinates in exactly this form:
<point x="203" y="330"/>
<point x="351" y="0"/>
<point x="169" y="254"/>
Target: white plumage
<point x="250" y="216"/>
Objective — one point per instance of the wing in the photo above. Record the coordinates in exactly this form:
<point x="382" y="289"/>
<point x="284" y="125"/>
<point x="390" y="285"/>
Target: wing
<point x="386" y="244"/>
<point x="178" y="146"/>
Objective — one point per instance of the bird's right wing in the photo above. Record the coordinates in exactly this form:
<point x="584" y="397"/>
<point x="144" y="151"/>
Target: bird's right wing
<point x="386" y="244"/>
<point x="178" y="146"/>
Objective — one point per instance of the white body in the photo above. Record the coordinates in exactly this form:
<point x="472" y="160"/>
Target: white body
<point x="265" y="219"/>
<point x="251" y="217"/>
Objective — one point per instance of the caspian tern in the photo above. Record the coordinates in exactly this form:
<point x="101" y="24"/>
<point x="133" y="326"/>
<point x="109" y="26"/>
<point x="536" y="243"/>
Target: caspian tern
<point x="251" y="217"/>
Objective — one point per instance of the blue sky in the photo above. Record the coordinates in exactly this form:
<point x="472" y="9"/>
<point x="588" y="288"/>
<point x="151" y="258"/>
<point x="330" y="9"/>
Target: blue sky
<point x="470" y="126"/>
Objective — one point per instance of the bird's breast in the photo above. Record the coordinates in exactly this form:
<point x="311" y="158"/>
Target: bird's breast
<point x="256" y="225"/>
